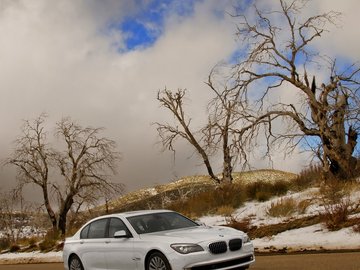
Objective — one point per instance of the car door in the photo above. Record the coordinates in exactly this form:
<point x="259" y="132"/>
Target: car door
<point x="119" y="251"/>
<point x="93" y="242"/>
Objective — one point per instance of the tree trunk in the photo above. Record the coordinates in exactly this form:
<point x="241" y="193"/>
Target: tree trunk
<point x="201" y="151"/>
<point x="339" y="153"/>
<point x="227" y="167"/>
<point x="64" y="209"/>
<point x="49" y="210"/>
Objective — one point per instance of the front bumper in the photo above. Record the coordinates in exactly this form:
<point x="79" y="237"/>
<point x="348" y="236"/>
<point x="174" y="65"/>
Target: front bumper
<point x="207" y="261"/>
<point x="225" y="265"/>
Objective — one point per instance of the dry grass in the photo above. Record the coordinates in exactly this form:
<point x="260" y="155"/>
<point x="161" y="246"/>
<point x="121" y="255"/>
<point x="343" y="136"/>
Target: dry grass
<point x="209" y="202"/>
<point x="303" y="206"/>
<point x="263" y="191"/>
<point x="284" y="207"/>
<point x="193" y="184"/>
<point x="4" y="243"/>
<point x="308" y="177"/>
<point x="225" y="210"/>
<point x="356" y="227"/>
<point x="273" y="229"/>
<point x="264" y="175"/>
<point x="197" y="196"/>
<point x="242" y="225"/>
<point x="335" y="196"/>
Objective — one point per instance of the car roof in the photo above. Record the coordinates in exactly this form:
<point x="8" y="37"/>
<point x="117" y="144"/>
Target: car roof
<point x="142" y="212"/>
<point x="135" y="213"/>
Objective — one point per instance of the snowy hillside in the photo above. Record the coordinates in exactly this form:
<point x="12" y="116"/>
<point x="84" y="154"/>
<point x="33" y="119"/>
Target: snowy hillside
<point x="298" y="229"/>
<point x="310" y="238"/>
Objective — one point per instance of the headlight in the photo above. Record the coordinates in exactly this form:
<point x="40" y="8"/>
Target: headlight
<point x="186" y="248"/>
<point x="246" y="239"/>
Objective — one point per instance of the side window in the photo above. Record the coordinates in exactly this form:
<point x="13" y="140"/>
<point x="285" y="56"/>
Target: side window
<point x="98" y="228"/>
<point x="115" y="225"/>
<point x="84" y="232"/>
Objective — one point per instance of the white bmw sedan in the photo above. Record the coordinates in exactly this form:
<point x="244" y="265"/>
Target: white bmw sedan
<point x="156" y="240"/>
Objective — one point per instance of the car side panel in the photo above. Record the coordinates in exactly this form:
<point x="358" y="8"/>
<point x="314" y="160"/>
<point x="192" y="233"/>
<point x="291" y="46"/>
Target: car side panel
<point x="119" y="254"/>
<point x="92" y="253"/>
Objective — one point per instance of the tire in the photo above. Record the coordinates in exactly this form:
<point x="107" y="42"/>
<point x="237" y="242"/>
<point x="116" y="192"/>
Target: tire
<point x="75" y="263"/>
<point x="157" y="261"/>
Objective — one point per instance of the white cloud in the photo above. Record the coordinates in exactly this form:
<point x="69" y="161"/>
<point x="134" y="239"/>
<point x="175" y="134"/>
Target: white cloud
<point x="56" y="57"/>
<point x="57" y="60"/>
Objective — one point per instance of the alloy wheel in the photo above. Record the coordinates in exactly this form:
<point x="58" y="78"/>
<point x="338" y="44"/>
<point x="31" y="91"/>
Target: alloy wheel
<point x="75" y="264"/>
<point x="157" y="263"/>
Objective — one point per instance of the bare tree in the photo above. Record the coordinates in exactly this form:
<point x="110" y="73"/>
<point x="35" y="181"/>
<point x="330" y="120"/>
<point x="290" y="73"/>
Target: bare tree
<point x="169" y="133"/>
<point x="230" y="129"/>
<point x="224" y="126"/>
<point x="32" y="157"/>
<point x="279" y="54"/>
<point x="84" y="165"/>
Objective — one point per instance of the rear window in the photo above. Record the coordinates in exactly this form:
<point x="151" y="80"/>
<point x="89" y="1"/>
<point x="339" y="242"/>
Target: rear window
<point x="84" y="232"/>
<point x="96" y="229"/>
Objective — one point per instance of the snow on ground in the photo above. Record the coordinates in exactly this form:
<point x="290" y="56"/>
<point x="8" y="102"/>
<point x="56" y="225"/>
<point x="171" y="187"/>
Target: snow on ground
<point x="315" y="237"/>
<point x="311" y="238"/>
<point x="30" y="257"/>
<point x="257" y="211"/>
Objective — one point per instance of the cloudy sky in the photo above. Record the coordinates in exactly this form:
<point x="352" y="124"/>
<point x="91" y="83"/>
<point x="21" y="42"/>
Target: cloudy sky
<point x="102" y="62"/>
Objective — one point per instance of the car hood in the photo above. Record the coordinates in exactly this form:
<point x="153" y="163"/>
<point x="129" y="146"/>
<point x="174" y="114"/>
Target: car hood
<point x="196" y="234"/>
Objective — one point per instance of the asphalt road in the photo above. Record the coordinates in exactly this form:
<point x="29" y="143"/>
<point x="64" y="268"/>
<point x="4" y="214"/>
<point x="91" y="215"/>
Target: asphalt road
<point x="328" y="261"/>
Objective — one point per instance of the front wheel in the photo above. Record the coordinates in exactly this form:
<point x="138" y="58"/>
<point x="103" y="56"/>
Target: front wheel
<point x="157" y="261"/>
<point x="75" y="263"/>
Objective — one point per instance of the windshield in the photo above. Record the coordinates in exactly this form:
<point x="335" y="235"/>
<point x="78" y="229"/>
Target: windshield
<point x="157" y="222"/>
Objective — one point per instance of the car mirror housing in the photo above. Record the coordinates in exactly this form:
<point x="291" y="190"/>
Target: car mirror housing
<point x="121" y="234"/>
<point x="200" y="223"/>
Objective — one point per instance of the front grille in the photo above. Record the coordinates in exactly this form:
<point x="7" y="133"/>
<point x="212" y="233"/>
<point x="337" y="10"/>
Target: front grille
<point x="221" y="265"/>
<point x="235" y="244"/>
<point x="218" y="247"/>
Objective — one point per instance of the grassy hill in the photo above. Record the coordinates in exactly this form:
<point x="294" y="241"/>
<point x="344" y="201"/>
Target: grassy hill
<point x="161" y="196"/>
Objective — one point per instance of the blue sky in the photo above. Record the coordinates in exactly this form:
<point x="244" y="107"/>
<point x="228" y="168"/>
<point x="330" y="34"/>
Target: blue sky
<point x="143" y="28"/>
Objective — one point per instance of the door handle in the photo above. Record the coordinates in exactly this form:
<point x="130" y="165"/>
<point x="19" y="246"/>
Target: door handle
<point x="107" y="241"/>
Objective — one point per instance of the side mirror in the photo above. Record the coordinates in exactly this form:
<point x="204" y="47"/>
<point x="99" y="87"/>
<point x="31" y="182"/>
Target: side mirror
<point x="120" y="234"/>
<point x="200" y="223"/>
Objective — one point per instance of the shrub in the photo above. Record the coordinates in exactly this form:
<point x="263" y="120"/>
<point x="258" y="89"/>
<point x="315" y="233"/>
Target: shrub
<point x="4" y="243"/>
<point x="335" y="197"/>
<point x="14" y="248"/>
<point x="263" y="191"/>
<point x="263" y="196"/>
<point x="308" y="177"/>
<point x="225" y="210"/>
<point x="47" y="244"/>
<point x="209" y="201"/>
<point x="273" y="229"/>
<point x="242" y="225"/>
<point x="32" y="242"/>
<point x="49" y="241"/>
<point x="303" y="206"/>
<point x="282" y="208"/>
<point x="356" y="227"/>
<point x="280" y="187"/>
<point x="333" y="191"/>
<point x="336" y="215"/>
